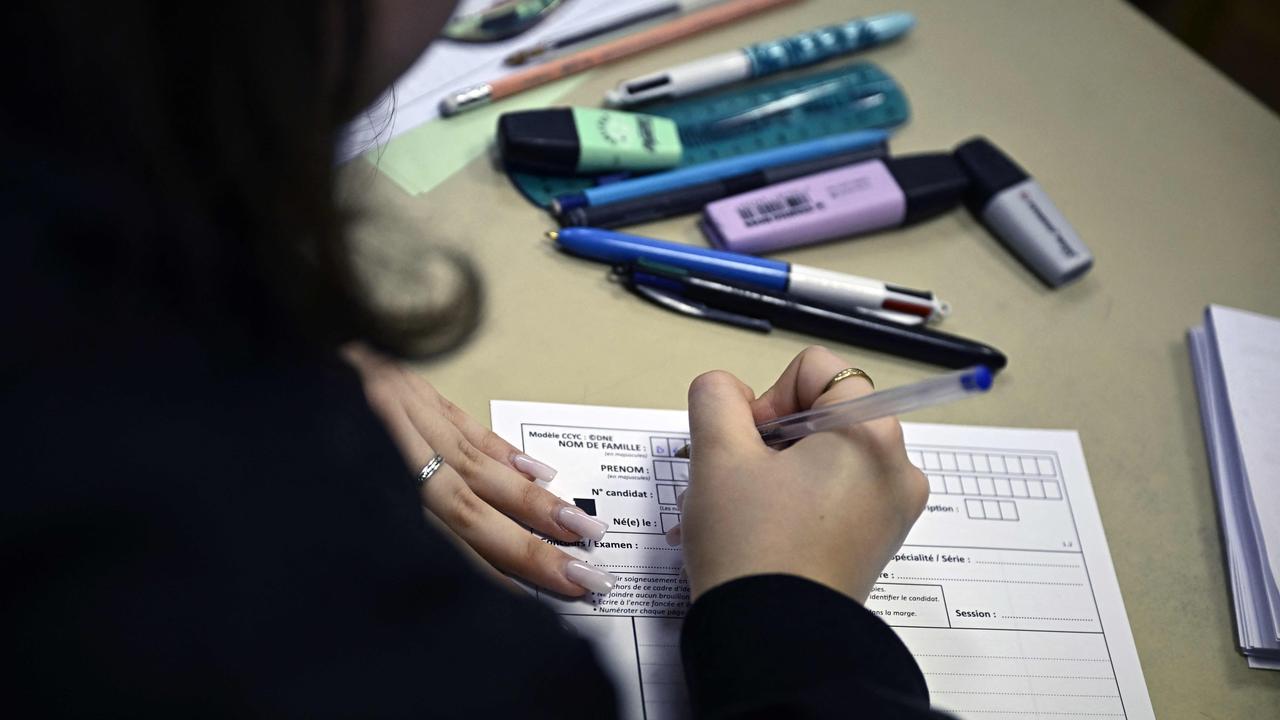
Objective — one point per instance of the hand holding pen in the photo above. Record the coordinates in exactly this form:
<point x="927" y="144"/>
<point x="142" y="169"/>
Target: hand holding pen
<point x="831" y="509"/>
<point x="958" y="385"/>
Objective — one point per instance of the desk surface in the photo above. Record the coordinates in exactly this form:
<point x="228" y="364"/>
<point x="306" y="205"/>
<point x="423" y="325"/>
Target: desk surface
<point x="1168" y="171"/>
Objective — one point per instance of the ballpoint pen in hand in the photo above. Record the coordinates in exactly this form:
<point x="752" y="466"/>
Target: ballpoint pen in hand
<point x="895" y="401"/>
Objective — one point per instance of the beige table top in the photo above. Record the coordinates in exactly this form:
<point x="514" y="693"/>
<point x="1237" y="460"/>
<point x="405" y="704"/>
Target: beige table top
<point x="1168" y="171"/>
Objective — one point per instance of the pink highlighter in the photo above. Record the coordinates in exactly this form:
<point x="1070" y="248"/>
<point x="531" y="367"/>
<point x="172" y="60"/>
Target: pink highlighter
<point x="839" y="203"/>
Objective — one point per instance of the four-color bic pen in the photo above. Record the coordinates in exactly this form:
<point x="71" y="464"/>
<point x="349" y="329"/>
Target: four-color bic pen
<point x="762" y="59"/>
<point x="830" y="289"/>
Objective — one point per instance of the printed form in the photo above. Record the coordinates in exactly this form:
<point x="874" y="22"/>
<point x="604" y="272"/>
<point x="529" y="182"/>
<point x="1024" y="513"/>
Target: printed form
<point x="1004" y="591"/>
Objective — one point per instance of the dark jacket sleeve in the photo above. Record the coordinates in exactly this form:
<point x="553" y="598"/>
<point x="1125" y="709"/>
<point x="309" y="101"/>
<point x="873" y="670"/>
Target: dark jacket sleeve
<point x="774" y="646"/>
<point x="185" y="540"/>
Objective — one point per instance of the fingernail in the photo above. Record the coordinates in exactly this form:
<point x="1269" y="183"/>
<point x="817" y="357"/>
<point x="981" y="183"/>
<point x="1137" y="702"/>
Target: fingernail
<point x="591" y="578"/>
<point x="573" y="519"/>
<point x="680" y="500"/>
<point x="529" y="466"/>
<point x="674" y="536"/>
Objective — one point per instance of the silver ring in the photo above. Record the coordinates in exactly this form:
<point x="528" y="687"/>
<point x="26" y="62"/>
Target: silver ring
<point x="430" y="469"/>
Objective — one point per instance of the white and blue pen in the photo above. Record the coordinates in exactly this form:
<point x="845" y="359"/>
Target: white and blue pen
<point x="834" y="290"/>
<point x="896" y="401"/>
<point x="762" y="59"/>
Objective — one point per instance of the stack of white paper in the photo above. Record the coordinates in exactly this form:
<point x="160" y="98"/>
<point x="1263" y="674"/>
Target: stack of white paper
<point x="1236" y="358"/>
<point x="447" y="67"/>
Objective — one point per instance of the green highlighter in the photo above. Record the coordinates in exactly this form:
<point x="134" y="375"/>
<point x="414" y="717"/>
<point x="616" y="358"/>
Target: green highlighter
<point x="588" y="141"/>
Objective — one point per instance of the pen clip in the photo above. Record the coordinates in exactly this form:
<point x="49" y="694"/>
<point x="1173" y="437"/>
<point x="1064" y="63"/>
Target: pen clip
<point x="687" y="307"/>
<point x="698" y="310"/>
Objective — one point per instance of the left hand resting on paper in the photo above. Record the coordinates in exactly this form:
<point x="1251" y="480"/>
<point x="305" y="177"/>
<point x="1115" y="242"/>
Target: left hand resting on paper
<point x="486" y="488"/>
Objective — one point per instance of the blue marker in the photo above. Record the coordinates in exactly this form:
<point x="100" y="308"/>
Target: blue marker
<point x="834" y="290"/>
<point x="719" y="169"/>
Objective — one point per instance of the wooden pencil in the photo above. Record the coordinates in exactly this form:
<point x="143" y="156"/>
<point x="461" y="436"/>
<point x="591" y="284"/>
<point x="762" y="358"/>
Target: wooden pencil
<point x="589" y="58"/>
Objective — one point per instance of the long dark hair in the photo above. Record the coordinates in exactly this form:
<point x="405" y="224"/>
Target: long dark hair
<point x="181" y="156"/>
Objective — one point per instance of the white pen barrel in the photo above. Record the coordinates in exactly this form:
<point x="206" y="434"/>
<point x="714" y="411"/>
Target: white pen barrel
<point x="683" y="80"/>
<point x="836" y="290"/>
<point x="710" y="72"/>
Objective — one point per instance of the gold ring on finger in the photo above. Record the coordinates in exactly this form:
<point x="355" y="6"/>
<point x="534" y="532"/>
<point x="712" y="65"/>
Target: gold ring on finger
<point x="845" y="374"/>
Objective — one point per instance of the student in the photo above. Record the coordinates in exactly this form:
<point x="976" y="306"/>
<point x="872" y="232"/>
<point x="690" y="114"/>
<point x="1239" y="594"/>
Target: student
<point x="212" y="504"/>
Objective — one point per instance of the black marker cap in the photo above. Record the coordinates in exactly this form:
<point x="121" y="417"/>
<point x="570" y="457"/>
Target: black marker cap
<point x="933" y="183"/>
<point x="991" y="171"/>
<point x="1020" y="214"/>
<point x="540" y="140"/>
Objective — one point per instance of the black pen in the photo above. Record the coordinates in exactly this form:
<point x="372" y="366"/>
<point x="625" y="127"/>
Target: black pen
<point x="693" y="199"/>
<point x="695" y="296"/>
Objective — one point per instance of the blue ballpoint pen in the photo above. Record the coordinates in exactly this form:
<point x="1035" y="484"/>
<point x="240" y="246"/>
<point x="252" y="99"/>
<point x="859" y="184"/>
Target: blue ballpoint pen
<point x="831" y="289"/>
<point x="719" y="169"/>
<point x="762" y="59"/>
<point x="896" y="401"/>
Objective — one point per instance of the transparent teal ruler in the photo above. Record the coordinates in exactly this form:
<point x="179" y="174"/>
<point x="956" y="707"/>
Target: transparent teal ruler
<point x="761" y="116"/>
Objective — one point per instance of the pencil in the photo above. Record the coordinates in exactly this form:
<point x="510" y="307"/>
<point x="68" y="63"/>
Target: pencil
<point x="658" y="12"/>
<point x="677" y="29"/>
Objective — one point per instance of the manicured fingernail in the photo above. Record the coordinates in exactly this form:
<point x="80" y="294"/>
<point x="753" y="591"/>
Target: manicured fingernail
<point x="529" y="466"/>
<point x="674" y="536"/>
<point x="573" y="519"/>
<point x="591" y="578"/>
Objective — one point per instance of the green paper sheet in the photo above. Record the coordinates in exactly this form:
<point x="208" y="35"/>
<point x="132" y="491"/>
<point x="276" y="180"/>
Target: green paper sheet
<point x="423" y="157"/>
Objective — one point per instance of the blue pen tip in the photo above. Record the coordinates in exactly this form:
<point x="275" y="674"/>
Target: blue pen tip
<point x="980" y="379"/>
<point x="564" y="203"/>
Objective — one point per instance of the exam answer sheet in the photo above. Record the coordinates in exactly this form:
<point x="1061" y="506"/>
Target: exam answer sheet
<point x="1004" y="590"/>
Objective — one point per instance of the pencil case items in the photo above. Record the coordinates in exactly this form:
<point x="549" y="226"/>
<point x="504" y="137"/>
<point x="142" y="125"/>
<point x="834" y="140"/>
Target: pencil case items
<point x="587" y="141"/>
<point x="851" y="200"/>
<point x="738" y="121"/>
